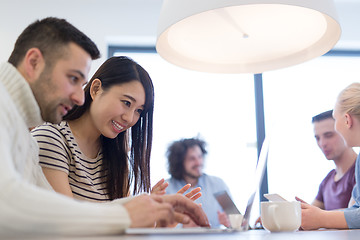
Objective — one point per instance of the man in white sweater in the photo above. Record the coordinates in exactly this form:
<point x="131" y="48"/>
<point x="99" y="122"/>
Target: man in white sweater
<point x="41" y="81"/>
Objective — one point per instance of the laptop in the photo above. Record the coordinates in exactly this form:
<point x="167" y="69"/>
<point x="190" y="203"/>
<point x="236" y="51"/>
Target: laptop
<point x="259" y="173"/>
<point x="226" y="203"/>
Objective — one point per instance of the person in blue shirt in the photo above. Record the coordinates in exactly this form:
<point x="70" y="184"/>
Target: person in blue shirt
<point x="185" y="165"/>
<point x="347" y="123"/>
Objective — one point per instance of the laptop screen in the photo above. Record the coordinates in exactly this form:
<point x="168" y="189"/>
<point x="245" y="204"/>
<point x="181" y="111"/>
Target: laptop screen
<point x="259" y="174"/>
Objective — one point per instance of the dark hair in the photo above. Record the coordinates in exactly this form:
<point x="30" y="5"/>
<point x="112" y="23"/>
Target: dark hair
<point x="323" y="116"/>
<point x="50" y="35"/>
<point x="120" y="70"/>
<point x="176" y="154"/>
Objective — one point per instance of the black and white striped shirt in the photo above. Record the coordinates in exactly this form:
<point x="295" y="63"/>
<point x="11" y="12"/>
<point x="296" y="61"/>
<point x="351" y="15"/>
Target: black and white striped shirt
<point x="59" y="151"/>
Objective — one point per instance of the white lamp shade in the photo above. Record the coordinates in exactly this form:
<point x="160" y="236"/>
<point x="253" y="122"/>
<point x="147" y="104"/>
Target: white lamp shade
<point x="245" y="36"/>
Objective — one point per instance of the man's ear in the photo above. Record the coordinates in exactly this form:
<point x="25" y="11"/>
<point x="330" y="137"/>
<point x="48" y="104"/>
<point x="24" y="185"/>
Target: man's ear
<point x="33" y="64"/>
<point x="349" y="120"/>
<point x="95" y="88"/>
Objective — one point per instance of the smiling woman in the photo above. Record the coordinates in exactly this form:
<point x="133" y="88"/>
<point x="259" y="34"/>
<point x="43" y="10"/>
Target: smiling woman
<point x="117" y="109"/>
<point x="87" y="155"/>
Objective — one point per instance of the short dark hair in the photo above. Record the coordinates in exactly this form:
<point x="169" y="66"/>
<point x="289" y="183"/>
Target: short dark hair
<point x="323" y="116"/>
<point x="50" y="35"/>
<point x="176" y="154"/>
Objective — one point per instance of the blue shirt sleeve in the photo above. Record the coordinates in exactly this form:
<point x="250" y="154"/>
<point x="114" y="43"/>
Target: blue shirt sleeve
<point x="352" y="217"/>
<point x="352" y="214"/>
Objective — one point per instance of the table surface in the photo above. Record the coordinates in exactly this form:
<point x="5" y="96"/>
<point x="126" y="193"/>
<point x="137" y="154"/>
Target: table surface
<point x="252" y="235"/>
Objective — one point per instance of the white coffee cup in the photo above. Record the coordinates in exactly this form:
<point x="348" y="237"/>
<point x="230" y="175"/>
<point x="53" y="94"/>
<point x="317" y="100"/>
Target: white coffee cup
<point x="235" y="220"/>
<point x="281" y="216"/>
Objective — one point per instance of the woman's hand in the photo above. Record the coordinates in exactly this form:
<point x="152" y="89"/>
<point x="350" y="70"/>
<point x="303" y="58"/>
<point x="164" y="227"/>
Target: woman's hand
<point x="223" y="219"/>
<point x="159" y="187"/>
<point x="311" y="217"/>
<point x="193" y="194"/>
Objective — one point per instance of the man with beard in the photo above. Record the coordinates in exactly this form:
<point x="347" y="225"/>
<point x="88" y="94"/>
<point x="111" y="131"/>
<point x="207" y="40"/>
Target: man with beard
<point x="335" y="190"/>
<point x="185" y="165"/>
<point x="42" y="80"/>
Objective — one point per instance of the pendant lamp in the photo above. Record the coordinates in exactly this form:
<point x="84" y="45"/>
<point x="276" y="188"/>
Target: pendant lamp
<point x="245" y="36"/>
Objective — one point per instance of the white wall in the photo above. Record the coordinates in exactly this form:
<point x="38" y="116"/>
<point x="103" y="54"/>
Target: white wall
<point x="348" y="11"/>
<point x="101" y="20"/>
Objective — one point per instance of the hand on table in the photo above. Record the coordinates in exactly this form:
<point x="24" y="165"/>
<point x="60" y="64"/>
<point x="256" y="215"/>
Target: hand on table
<point x="160" y="189"/>
<point x="300" y="200"/>
<point x="311" y="216"/>
<point x="146" y="210"/>
<point x="258" y="222"/>
<point x="223" y="219"/>
<point x="192" y="195"/>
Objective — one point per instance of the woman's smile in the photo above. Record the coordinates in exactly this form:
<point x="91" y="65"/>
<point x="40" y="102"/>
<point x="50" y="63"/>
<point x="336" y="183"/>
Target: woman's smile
<point x="117" y="126"/>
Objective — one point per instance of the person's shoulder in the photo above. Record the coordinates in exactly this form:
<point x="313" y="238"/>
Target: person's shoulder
<point x="57" y="127"/>
<point x="174" y="185"/>
<point x="352" y="168"/>
<point x="213" y="179"/>
<point x="45" y="125"/>
<point x="351" y="171"/>
<point x="51" y="130"/>
<point x="330" y="175"/>
<point x="172" y="180"/>
<point x="214" y="183"/>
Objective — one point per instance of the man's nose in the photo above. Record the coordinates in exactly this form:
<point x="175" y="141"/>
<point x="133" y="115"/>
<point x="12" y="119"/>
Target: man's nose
<point x="322" y="143"/>
<point x="78" y="97"/>
<point x="198" y="161"/>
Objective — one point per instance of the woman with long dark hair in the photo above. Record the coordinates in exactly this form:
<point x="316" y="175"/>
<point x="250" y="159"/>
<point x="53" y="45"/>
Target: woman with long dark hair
<point x="102" y="148"/>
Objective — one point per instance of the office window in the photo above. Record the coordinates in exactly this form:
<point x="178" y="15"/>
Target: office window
<point x="220" y="109"/>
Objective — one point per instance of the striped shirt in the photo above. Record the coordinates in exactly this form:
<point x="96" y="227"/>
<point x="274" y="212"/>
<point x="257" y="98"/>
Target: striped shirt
<point x="59" y="151"/>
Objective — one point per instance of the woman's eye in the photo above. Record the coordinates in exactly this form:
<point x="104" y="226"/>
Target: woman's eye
<point x="140" y="111"/>
<point x="127" y="103"/>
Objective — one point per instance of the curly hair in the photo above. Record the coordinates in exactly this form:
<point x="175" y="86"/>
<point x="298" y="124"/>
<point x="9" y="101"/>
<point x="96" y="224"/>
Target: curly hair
<point x="176" y="154"/>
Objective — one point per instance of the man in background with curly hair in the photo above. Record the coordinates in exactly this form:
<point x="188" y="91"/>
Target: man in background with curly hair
<point x="185" y="165"/>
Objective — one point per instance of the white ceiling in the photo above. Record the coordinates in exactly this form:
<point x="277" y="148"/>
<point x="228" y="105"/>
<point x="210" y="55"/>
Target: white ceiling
<point x="126" y="20"/>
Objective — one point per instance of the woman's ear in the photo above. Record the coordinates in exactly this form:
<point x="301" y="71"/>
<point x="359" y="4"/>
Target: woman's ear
<point x="348" y="120"/>
<point x="95" y="88"/>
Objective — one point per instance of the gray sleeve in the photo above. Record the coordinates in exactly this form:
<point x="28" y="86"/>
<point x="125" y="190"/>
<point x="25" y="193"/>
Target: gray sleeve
<point x="222" y="185"/>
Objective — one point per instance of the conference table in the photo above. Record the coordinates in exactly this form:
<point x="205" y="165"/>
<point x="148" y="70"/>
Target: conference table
<point x="249" y="235"/>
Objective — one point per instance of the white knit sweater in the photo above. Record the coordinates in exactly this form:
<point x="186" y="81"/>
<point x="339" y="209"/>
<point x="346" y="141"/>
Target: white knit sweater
<point x="25" y="206"/>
